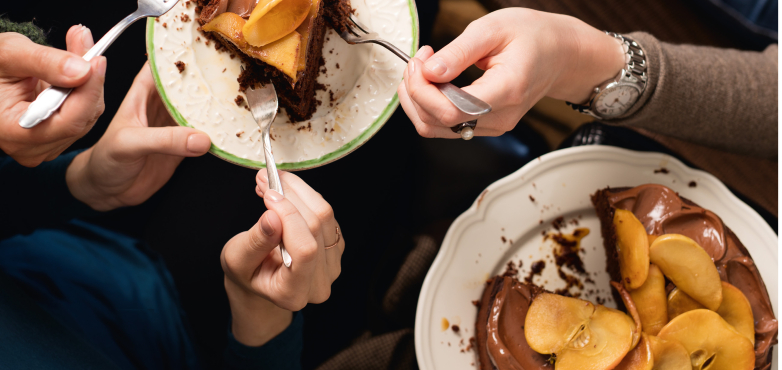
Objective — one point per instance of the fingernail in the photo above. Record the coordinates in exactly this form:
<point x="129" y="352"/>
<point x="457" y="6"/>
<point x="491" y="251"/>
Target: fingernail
<point x="198" y="143"/>
<point x="101" y="71"/>
<point x="273" y="196"/>
<point x="75" y="67"/>
<point x="436" y="65"/>
<point x="86" y="38"/>
<point x="266" y="227"/>
<point x="412" y="65"/>
<point x="264" y="177"/>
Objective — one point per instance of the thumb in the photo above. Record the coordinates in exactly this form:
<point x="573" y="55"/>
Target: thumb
<point x="135" y="142"/>
<point x="21" y="58"/>
<point x="468" y="48"/>
<point x="244" y="252"/>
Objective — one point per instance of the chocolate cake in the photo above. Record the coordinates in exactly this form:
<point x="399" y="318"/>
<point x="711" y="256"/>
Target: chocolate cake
<point x="502" y="337"/>
<point x="296" y="87"/>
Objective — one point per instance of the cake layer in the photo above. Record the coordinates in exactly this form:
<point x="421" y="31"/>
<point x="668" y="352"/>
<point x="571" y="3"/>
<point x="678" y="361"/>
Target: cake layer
<point x="663" y="211"/>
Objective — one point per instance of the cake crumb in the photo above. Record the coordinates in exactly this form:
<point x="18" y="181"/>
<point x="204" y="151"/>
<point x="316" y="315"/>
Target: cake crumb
<point x="198" y="38"/>
<point x="558" y="223"/>
<point x="661" y="170"/>
<point x="185" y="18"/>
<point x="455" y="328"/>
<point x="510" y="269"/>
<point x="536" y="268"/>
<point x="503" y="239"/>
<point x="531" y="198"/>
<point x="224" y="69"/>
<point x="476" y="303"/>
<point x="692" y="184"/>
<point x="239" y="100"/>
<point x="180" y="65"/>
<point x="232" y="55"/>
<point x="239" y="134"/>
<point x="165" y="25"/>
<point x="337" y="65"/>
<point x="157" y="19"/>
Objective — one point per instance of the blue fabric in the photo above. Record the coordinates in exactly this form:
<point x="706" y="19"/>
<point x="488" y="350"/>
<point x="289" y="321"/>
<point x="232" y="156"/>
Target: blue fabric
<point x="93" y="295"/>
<point x="110" y="289"/>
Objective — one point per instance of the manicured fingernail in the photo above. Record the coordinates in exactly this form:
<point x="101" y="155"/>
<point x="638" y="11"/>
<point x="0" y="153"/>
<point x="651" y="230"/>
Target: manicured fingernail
<point x="86" y="38"/>
<point x="412" y="65"/>
<point x="266" y="227"/>
<point x="198" y="143"/>
<point x="75" y="67"/>
<point x="436" y="65"/>
<point x="273" y="196"/>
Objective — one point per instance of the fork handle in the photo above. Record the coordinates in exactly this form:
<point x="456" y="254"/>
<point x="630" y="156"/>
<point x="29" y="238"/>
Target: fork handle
<point x="276" y="185"/>
<point x="461" y="99"/>
<point x="49" y="100"/>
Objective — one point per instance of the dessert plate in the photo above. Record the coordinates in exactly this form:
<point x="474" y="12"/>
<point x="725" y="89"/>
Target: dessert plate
<point x="360" y="93"/>
<point x="504" y="224"/>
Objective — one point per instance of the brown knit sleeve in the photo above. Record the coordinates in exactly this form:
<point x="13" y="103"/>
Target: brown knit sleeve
<point x="722" y="98"/>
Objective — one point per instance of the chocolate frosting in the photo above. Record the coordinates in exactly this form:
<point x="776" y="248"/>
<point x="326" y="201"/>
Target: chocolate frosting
<point x="662" y="211"/>
<point x="242" y="7"/>
<point x="506" y="343"/>
<point x="216" y="7"/>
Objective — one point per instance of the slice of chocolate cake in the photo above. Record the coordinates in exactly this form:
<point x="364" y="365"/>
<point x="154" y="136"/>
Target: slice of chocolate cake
<point x="662" y="211"/>
<point x="291" y="63"/>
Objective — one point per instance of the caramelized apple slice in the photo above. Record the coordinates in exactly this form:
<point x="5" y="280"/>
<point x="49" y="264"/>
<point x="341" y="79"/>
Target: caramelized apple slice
<point x="631" y="309"/>
<point x="650" y="301"/>
<point x="737" y="312"/>
<point x="689" y="267"/>
<point x="602" y="344"/>
<point x="581" y="335"/>
<point x="553" y="320"/>
<point x="632" y="244"/>
<point x="282" y="54"/>
<point x="639" y="358"/>
<point x="280" y="20"/>
<point x="679" y="302"/>
<point x="669" y="355"/>
<point x="710" y="341"/>
<point x="735" y="308"/>
<point x="261" y="8"/>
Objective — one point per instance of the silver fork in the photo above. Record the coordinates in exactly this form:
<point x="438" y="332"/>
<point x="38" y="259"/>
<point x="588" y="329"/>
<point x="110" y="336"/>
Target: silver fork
<point x="358" y="33"/>
<point x="52" y="98"/>
<point x="263" y="105"/>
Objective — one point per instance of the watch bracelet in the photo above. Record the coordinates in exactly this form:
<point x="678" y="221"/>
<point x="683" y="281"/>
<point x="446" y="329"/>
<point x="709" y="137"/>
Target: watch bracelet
<point x="634" y="71"/>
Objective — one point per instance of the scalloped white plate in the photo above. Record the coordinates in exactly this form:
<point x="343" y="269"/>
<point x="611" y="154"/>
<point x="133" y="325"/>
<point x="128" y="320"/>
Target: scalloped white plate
<point x="561" y="183"/>
<point x="362" y="78"/>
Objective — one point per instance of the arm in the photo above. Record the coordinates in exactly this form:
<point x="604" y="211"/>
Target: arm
<point x="718" y="97"/>
<point x="722" y="98"/>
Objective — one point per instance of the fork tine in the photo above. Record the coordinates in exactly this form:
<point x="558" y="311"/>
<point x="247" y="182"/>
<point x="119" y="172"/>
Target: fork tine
<point x="358" y="24"/>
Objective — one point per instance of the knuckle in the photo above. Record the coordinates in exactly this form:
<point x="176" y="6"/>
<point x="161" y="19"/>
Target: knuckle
<point x="324" y="212"/>
<point x="308" y="251"/>
<point x="322" y="295"/>
<point x="424" y="130"/>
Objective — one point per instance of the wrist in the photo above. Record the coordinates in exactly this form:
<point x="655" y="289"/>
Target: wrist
<point x="78" y="181"/>
<point x="598" y="57"/>
<point x="255" y="320"/>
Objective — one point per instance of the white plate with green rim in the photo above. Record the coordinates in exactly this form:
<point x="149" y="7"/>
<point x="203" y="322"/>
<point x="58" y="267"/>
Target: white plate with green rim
<point x="504" y="224"/>
<point x="362" y="78"/>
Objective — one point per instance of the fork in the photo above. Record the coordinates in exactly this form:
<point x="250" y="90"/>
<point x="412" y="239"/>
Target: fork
<point x="52" y="98"/>
<point x="263" y="105"/>
<point x="358" y="33"/>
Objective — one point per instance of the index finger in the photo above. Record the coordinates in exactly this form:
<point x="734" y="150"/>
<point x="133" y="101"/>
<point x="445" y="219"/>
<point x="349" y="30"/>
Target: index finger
<point x="22" y="58"/>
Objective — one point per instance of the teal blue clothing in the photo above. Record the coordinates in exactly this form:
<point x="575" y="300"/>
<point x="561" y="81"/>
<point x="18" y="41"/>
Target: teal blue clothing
<point x="110" y="291"/>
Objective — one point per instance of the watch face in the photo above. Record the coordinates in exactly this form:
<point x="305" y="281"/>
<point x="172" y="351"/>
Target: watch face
<point x="615" y="100"/>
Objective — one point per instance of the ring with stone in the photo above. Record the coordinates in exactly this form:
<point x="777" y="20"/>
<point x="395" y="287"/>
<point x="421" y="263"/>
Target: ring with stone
<point x="465" y="129"/>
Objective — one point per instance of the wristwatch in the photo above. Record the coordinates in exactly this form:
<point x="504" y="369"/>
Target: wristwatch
<point x="616" y="96"/>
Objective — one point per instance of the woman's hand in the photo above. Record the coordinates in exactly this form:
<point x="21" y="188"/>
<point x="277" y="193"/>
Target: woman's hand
<point x="526" y="55"/>
<point x="137" y="154"/>
<point x="26" y="69"/>
<point x="261" y="290"/>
